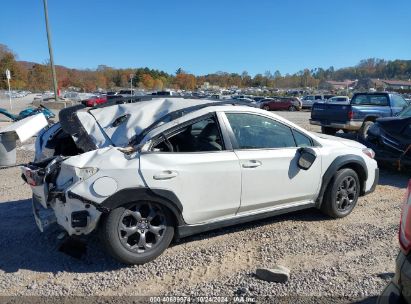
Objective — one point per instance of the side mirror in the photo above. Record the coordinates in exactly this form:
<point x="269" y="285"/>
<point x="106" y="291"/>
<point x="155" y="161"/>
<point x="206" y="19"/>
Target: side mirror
<point x="306" y="158"/>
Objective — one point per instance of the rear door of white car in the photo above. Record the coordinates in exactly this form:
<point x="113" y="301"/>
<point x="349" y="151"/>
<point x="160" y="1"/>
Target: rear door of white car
<point x="268" y="153"/>
<point x="201" y="170"/>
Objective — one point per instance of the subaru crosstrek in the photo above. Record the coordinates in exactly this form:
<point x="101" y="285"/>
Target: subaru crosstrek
<point x="144" y="173"/>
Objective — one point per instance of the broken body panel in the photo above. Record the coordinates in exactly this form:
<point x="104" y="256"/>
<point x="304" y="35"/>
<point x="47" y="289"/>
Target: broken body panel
<point x="80" y="159"/>
<point x="390" y="138"/>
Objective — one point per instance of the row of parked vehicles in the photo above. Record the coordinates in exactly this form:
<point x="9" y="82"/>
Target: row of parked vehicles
<point x="381" y="120"/>
<point x="17" y="94"/>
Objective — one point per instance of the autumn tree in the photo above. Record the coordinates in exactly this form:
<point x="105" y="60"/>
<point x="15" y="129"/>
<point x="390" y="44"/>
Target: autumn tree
<point x="147" y="81"/>
<point x="18" y="73"/>
<point x="185" y="81"/>
<point x="39" y="77"/>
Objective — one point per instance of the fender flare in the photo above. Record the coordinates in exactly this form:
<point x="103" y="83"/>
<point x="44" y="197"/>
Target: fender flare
<point x="164" y="197"/>
<point x="338" y="163"/>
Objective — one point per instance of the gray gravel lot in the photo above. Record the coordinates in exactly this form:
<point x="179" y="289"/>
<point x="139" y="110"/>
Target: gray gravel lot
<point x="349" y="258"/>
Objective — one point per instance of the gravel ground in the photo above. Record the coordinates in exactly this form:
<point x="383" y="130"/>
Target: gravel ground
<point x="344" y="259"/>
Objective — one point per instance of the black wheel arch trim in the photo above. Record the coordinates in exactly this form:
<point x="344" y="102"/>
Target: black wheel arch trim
<point x="164" y="197"/>
<point x="349" y="160"/>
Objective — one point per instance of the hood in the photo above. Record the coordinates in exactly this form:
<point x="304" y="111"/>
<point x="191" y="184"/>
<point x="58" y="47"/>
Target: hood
<point x="346" y="142"/>
<point x="394" y="125"/>
<point x="117" y="124"/>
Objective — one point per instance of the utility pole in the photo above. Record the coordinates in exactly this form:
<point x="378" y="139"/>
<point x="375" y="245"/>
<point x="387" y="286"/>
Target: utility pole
<point x="131" y="84"/>
<point x="53" y="70"/>
<point x="8" y="76"/>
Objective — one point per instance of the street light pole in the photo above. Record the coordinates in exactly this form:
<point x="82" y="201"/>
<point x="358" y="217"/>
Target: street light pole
<point x="53" y="70"/>
<point x="131" y="84"/>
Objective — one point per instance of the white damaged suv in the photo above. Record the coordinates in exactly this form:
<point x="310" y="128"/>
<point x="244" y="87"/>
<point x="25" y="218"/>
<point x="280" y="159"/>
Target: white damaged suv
<point x="145" y="172"/>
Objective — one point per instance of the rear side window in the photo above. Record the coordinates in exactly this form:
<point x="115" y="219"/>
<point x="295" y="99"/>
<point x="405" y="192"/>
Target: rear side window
<point x="370" y="100"/>
<point x="318" y="97"/>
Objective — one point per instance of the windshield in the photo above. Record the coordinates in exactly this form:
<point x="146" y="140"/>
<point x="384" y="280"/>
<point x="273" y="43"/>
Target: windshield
<point x="405" y="113"/>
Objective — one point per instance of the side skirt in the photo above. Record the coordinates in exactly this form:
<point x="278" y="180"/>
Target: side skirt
<point x="187" y="230"/>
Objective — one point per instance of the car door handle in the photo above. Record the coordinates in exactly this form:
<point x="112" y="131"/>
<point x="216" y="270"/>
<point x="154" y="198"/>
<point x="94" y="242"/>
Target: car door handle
<point x="252" y="164"/>
<point x="168" y="174"/>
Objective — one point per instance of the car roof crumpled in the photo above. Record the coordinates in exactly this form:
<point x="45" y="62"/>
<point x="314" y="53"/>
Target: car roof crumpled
<point x="117" y="124"/>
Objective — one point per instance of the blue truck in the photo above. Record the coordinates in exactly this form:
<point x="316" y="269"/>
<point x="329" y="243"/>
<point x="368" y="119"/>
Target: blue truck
<point x="359" y="115"/>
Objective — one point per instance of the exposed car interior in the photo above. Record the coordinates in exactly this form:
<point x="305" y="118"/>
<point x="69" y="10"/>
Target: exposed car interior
<point x="200" y="136"/>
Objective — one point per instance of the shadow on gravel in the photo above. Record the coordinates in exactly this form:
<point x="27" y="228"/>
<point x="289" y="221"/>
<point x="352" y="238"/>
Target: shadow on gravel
<point x="23" y="246"/>
<point x="308" y="215"/>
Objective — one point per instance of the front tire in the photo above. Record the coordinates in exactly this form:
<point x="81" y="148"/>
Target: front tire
<point x="291" y="109"/>
<point x="267" y="108"/>
<point x="137" y="233"/>
<point x="342" y="194"/>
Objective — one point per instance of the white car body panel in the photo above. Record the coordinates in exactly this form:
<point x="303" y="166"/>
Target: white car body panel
<point x="27" y="127"/>
<point x="207" y="184"/>
<point x="276" y="180"/>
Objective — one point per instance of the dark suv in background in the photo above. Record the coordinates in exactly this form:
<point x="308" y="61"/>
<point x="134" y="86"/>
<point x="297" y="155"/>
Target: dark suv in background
<point x="399" y="289"/>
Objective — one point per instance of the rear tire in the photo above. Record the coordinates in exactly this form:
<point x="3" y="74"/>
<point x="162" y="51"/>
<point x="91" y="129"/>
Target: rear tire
<point x="328" y="130"/>
<point x="137" y="233"/>
<point x="267" y="108"/>
<point x="291" y="109"/>
<point x="362" y="133"/>
<point x="341" y="194"/>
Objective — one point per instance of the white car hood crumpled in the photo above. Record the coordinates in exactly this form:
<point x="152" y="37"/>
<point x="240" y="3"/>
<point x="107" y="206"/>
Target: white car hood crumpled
<point x="98" y="122"/>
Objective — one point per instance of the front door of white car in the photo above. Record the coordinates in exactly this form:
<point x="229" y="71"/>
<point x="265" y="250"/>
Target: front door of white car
<point x="268" y="154"/>
<point x="204" y="176"/>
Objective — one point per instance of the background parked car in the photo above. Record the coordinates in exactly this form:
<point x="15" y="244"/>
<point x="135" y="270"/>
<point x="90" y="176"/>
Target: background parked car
<point x="93" y="101"/>
<point x="399" y="289"/>
<point x="281" y="103"/>
<point x="309" y="100"/>
<point x="390" y="138"/>
<point x="339" y="100"/>
<point x="359" y="115"/>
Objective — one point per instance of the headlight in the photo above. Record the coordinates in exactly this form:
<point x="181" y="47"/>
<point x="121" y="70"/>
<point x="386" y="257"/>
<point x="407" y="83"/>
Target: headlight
<point x="85" y="173"/>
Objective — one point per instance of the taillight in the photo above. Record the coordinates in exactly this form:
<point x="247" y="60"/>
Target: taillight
<point x="350" y="115"/>
<point x="405" y="224"/>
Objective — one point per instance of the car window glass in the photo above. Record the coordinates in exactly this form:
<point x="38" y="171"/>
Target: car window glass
<point x="317" y="97"/>
<point x="301" y="139"/>
<point x="373" y="100"/>
<point x="398" y="101"/>
<point x="406" y="112"/>
<point x="200" y="136"/>
<point x="257" y="132"/>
